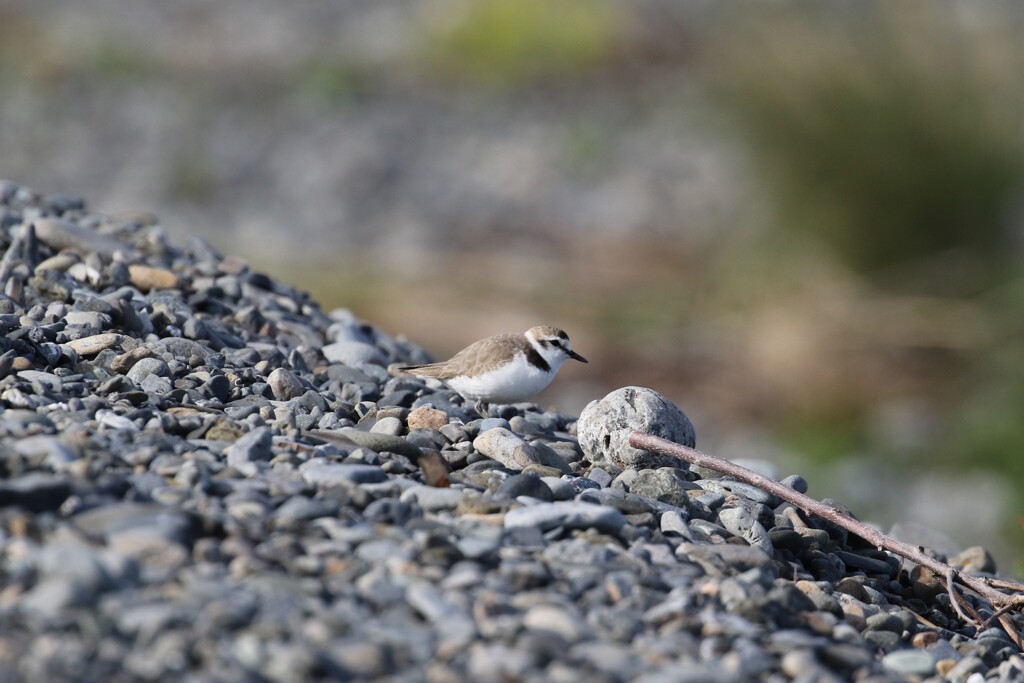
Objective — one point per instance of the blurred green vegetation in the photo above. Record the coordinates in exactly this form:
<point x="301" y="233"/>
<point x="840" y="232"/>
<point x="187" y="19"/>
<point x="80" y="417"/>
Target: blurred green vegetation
<point x="512" y="42"/>
<point x="893" y="132"/>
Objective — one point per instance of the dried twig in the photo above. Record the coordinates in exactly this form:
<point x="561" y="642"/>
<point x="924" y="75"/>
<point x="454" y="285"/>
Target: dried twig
<point x="959" y="603"/>
<point x="985" y="587"/>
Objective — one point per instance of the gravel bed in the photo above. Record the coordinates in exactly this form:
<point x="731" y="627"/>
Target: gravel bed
<point x="204" y="477"/>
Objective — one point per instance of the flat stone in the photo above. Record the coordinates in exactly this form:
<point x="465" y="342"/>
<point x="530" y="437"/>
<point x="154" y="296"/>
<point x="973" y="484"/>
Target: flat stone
<point x="381" y="443"/>
<point x="387" y="425"/>
<point x="427" y="418"/>
<point x="665" y="484"/>
<point x="252" y="447"/>
<point x="724" y="557"/>
<point x="90" y="346"/>
<point x="93" y="319"/>
<point x="35" y="491"/>
<point x="508" y="448"/>
<point x="161" y="522"/>
<point x="527" y="484"/>
<point x="549" y="457"/>
<point x="910" y="662"/>
<point x="433" y="499"/>
<point x="182" y="348"/>
<point x="148" y="278"/>
<point x="53" y="596"/>
<point x="353" y="353"/>
<point x="334" y="474"/>
<point x="50" y="450"/>
<point x="570" y="514"/>
<point x="60" y="234"/>
<point x="558" y="620"/>
<point x="740" y="488"/>
<point x="145" y="367"/>
<point x="742" y="522"/>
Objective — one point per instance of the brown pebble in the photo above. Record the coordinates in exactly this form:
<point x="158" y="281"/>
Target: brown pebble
<point x="435" y="469"/>
<point x="19" y="363"/>
<point x="224" y="430"/>
<point x="924" y="638"/>
<point x="147" y="278"/>
<point x="974" y="560"/>
<point x="944" y="666"/>
<point x="926" y="585"/>
<point x="123" y="363"/>
<point x="90" y="346"/>
<point x="426" y="417"/>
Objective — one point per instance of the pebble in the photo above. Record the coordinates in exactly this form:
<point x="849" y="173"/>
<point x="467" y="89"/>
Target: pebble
<point x="148" y="278"/>
<point x="61" y="234"/>
<point x="909" y="662"/>
<point x="605" y="425"/>
<point x="207" y="477"/>
<point x="382" y="443"/>
<point x="334" y="474"/>
<point x="502" y="445"/>
<point x="285" y="384"/>
<point x="426" y="417"/>
<point x="571" y="515"/>
<point x="92" y="345"/>
<point x="666" y="484"/>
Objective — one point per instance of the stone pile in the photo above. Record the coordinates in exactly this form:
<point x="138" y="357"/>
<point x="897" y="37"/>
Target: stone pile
<point x="204" y="477"/>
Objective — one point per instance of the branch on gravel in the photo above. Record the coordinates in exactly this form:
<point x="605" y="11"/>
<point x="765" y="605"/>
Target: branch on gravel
<point x="989" y="589"/>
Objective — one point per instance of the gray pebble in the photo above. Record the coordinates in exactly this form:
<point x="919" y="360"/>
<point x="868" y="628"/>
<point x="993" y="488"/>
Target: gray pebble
<point x="742" y="522"/>
<point x="285" y="384"/>
<point x="387" y="425"/>
<point x="252" y="447"/>
<point x="528" y="484"/>
<point x="353" y="353"/>
<point x="60" y="234"/>
<point x="382" y="443"/>
<point x="334" y="474"/>
<point x="53" y="596"/>
<point x="795" y="482"/>
<point x="510" y="450"/>
<point x="571" y="515"/>
<point x="561" y="487"/>
<point x="433" y="499"/>
<point x="95" y="320"/>
<point x="604" y="426"/>
<point x="667" y="484"/>
<point x="909" y="662"/>
<point x="35" y="491"/>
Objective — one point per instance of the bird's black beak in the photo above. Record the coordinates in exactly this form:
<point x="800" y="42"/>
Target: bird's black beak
<point x="576" y="356"/>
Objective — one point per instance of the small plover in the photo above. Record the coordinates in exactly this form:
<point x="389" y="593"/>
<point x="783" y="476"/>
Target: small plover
<point x="505" y="368"/>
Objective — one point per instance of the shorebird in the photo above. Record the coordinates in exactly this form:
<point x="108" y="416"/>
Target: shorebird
<point x="505" y="368"/>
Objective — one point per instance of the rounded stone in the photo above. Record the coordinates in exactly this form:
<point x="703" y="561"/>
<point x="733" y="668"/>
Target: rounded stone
<point x="146" y="367"/>
<point x="285" y="384"/>
<point x="425" y="417"/>
<point x="605" y="425"/>
<point x="148" y="278"/>
<point x="508" y="448"/>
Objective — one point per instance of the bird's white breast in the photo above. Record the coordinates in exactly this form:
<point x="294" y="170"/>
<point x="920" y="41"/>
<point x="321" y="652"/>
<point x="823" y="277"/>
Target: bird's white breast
<point x="515" y="381"/>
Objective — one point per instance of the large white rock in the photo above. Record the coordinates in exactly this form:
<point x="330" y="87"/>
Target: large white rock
<point x="604" y="428"/>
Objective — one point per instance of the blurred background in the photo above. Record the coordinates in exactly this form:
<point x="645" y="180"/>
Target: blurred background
<point x="802" y="222"/>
